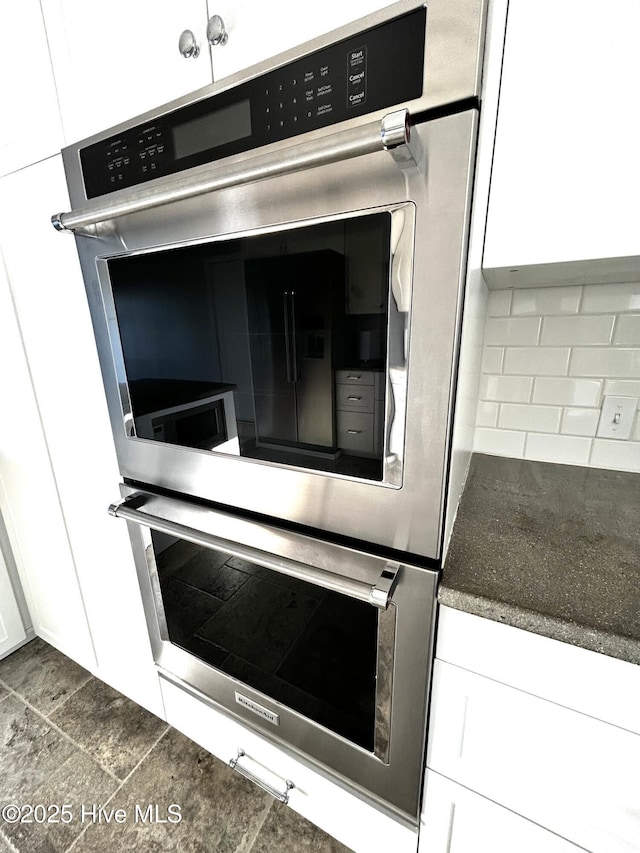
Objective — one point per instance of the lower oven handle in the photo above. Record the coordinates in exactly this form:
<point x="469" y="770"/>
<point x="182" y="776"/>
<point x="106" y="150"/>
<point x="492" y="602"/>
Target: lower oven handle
<point x="392" y="134"/>
<point x="379" y="595"/>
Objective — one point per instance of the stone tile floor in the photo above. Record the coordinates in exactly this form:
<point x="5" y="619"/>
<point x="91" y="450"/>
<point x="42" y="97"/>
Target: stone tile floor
<point x="68" y="738"/>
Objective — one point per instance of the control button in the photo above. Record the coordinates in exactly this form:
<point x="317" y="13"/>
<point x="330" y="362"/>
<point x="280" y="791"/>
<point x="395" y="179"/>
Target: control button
<point x="309" y="76"/>
<point x="281" y="105"/>
<point x="280" y="87"/>
<point x="357" y="98"/>
<point x="145" y="168"/>
<point x="112" y="179"/>
<point x="324" y="70"/>
<point x="110" y="167"/>
<point x="308" y="95"/>
<point x="109" y="153"/>
<point x="160" y="149"/>
<point x="281" y="123"/>
<point x="126" y="161"/>
<point x="142" y="155"/>
<point x="153" y="166"/>
<point x="295" y="100"/>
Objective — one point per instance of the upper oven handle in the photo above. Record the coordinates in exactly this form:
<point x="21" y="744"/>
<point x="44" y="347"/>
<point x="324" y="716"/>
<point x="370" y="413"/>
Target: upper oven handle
<point x="379" y="595"/>
<point x="392" y="134"/>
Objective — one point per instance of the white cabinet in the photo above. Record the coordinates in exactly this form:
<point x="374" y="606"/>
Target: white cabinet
<point x="330" y="806"/>
<point x="541" y="758"/>
<point x="31" y="127"/>
<point x="360" y="411"/>
<point x="12" y="632"/>
<point x="29" y="499"/>
<point x="566" y="174"/>
<point x="258" y="30"/>
<point x="455" y="820"/>
<point x="114" y="61"/>
<point x="93" y="566"/>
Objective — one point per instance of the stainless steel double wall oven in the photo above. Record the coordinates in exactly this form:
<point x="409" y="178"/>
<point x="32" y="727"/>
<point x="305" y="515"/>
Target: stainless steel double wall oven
<point x="275" y="268"/>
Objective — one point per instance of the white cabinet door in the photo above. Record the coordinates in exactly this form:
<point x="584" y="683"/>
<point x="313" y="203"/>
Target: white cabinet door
<point x="566" y="771"/>
<point x="566" y="174"/>
<point x="113" y="61"/>
<point x="31" y="127"/>
<point x="12" y="633"/>
<point x="258" y="30"/>
<point x="29" y="499"/>
<point x="455" y="820"/>
<point x="51" y="305"/>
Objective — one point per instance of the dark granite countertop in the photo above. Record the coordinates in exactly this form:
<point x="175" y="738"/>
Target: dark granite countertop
<point x="553" y="549"/>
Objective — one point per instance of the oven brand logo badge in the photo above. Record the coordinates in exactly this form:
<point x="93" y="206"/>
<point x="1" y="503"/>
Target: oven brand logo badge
<point x="260" y="710"/>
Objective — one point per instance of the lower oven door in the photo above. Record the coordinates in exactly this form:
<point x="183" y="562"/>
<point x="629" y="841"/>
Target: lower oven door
<point x="322" y="648"/>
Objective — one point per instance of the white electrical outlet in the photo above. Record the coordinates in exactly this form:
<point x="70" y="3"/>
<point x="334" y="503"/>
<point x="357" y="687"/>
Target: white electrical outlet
<point x="616" y="418"/>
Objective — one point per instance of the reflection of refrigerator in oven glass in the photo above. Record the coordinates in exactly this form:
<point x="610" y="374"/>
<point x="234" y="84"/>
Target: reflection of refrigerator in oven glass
<point x="292" y="305"/>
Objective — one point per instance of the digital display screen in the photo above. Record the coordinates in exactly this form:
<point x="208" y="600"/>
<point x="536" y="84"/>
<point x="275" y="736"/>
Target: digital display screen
<point x="212" y="130"/>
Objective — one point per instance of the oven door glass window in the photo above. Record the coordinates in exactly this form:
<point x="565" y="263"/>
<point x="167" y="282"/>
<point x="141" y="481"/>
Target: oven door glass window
<point x="271" y="346"/>
<point x="313" y="650"/>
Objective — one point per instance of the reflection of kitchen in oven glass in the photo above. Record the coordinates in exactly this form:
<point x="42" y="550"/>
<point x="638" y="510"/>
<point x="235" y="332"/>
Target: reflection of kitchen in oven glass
<point x="313" y="650"/>
<point x="272" y="346"/>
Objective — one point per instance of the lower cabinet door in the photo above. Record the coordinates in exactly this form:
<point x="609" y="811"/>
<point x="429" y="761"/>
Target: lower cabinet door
<point x="456" y="820"/>
<point x="12" y="633"/>
<point x="559" y="768"/>
<point x="357" y="824"/>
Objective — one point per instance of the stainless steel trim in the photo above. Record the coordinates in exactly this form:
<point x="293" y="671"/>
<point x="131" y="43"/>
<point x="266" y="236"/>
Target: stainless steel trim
<point x="384" y="682"/>
<point x="344" y="145"/>
<point x="281" y="796"/>
<point x="379" y="594"/>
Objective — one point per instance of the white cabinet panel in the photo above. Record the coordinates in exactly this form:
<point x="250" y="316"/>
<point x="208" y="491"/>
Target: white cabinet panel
<point x="115" y="61"/>
<point x="335" y="810"/>
<point x="29" y="499"/>
<point x="573" y="774"/>
<point x="456" y="820"/>
<point x="602" y="687"/>
<point x="258" y="30"/>
<point x="12" y="632"/>
<point x="31" y="127"/>
<point x="566" y="179"/>
<point x="58" y="338"/>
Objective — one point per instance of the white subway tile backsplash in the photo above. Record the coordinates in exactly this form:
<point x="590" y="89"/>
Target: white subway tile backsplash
<point x="499" y="442"/>
<point x="558" y="448"/>
<point x="567" y="392"/>
<point x="514" y="331"/>
<point x="609" y="453"/>
<point x="529" y="418"/>
<point x="601" y="298"/>
<point x="546" y="300"/>
<point x="580" y="421"/>
<point x="628" y="330"/>
<point x="550" y="355"/>
<point x="507" y="389"/>
<point x="492" y="359"/>
<point x="610" y="361"/>
<point x="584" y="330"/>
<point x="487" y="415"/>
<point x="621" y="387"/>
<point x="537" y="361"/>
<point x="499" y="303"/>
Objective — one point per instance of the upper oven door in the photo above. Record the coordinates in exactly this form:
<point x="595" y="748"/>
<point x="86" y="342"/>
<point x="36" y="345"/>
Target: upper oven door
<point x="288" y="346"/>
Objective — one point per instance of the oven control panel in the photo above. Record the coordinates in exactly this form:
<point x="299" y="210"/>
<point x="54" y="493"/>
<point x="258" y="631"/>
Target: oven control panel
<point x="380" y="67"/>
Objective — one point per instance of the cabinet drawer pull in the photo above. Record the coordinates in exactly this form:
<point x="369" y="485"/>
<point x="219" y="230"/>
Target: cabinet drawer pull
<point x="281" y="796"/>
<point x="354" y="431"/>
<point x="355" y="399"/>
<point x="355" y="377"/>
